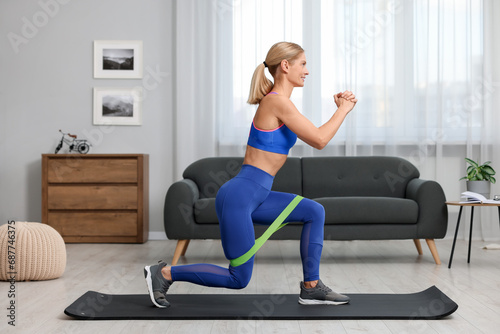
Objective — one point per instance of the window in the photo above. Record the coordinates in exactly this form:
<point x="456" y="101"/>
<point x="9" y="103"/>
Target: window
<point x="416" y="66"/>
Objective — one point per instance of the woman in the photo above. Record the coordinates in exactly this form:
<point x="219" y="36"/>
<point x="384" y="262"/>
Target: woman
<point x="248" y="199"/>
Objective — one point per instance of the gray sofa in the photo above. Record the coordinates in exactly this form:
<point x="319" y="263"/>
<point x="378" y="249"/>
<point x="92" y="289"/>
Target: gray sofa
<point x="365" y="198"/>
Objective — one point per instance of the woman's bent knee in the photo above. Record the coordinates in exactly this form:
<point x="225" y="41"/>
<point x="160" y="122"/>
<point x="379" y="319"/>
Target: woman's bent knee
<point x="240" y="284"/>
<point x="319" y="210"/>
<point x="241" y="275"/>
<point x="315" y="209"/>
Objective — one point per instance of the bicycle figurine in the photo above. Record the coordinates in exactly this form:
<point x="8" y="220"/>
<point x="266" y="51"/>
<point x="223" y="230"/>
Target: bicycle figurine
<point x="78" y="145"/>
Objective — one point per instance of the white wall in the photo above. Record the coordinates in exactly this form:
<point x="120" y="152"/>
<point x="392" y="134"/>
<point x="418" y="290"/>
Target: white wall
<point x="46" y="81"/>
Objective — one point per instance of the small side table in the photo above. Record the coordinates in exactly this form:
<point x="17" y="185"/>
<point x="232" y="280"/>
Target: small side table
<point x="472" y="205"/>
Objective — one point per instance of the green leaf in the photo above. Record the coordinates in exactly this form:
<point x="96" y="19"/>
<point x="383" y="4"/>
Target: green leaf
<point x="486" y="163"/>
<point x="472" y="174"/>
<point x="488" y="170"/>
<point x="472" y="162"/>
<point x="493" y="180"/>
<point x="480" y="176"/>
<point x="469" y="169"/>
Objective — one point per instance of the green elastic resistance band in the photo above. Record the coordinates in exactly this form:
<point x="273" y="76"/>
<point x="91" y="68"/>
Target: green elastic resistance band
<point x="276" y="225"/>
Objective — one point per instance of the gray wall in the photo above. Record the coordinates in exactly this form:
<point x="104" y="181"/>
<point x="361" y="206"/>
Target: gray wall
<point x="46" y="81"/>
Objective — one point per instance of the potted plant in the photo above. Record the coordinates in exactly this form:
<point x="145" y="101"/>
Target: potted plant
<point x="479" y="177"/>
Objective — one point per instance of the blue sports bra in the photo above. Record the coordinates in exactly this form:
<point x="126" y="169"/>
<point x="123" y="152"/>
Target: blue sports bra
<point x="279" y="140"/>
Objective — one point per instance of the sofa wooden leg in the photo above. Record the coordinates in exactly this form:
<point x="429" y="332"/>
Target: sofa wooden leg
<point x="180" y="250"/>
<point x="433" y="249"/>
<point x="418" y="245"/>
<point x="184" y="249"/>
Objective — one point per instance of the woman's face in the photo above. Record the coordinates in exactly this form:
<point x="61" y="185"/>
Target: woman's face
<point x="298" y="71"/>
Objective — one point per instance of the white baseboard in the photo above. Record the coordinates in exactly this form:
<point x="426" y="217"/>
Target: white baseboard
<point x="157" y="236"/>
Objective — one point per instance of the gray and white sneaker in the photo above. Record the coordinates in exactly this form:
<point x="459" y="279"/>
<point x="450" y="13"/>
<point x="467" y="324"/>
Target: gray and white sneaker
<point x="320" y="295"/>
<point x="157" y="284"/>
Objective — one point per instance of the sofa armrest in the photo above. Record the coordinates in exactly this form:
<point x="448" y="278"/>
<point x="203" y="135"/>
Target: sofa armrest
<point x="178" y="211"/>
<point x="432" y="210"/>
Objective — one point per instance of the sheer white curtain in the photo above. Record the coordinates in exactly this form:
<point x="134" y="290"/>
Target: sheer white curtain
<point x="487" y="90"/>
<point x="203" y="48"/>
<point x="425" y="72"/>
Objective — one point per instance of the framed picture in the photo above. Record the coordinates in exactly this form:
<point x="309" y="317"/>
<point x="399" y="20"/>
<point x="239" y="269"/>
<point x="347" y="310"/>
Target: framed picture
<point x="118" y="59"/>
<point x="117" y="106"/>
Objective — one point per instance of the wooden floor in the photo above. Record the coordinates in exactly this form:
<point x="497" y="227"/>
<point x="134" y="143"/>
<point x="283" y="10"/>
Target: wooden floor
<point x="347" y="266"/>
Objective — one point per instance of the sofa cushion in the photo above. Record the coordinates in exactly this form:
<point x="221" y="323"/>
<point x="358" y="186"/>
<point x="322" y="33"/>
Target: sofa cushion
<point x="340" y="210"/>
<point x="356" y="176"/>
<point x="210" y="174"/>
<point x="204" y="211"/>
<point x="369" y="210"/>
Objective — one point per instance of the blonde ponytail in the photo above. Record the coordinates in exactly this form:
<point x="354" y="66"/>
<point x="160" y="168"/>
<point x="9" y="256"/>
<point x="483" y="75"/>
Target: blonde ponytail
<point x="261" y="85"/>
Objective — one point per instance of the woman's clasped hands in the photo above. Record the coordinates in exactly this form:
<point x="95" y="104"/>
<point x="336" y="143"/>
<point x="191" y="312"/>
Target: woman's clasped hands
<point x="345" y="100"/>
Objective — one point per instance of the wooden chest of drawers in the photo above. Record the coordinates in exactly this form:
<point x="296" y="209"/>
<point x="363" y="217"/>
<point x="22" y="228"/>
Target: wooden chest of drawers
<point x="96" y="197"/>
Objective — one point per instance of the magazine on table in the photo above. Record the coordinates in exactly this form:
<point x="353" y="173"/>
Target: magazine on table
<point x="472" y="197"/>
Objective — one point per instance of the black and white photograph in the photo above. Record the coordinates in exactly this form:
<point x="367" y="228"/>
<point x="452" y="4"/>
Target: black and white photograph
<point x="118" y="59"/>
<point x="117" y="106"/>
<point x="115" y="59"/>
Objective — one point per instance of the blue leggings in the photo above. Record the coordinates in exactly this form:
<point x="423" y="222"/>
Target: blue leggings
<point x="242" y="201"/>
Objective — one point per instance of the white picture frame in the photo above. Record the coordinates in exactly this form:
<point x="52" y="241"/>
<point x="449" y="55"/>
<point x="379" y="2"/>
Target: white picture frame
<point x="114" y="59"/>
<point x="117" y="106"/>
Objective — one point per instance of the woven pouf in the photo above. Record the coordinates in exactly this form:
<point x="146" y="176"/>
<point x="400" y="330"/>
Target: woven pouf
<point x="40" y="252"/>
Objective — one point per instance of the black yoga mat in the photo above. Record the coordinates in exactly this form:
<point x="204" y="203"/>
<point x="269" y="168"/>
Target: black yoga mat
<point x="427" y="304"/>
